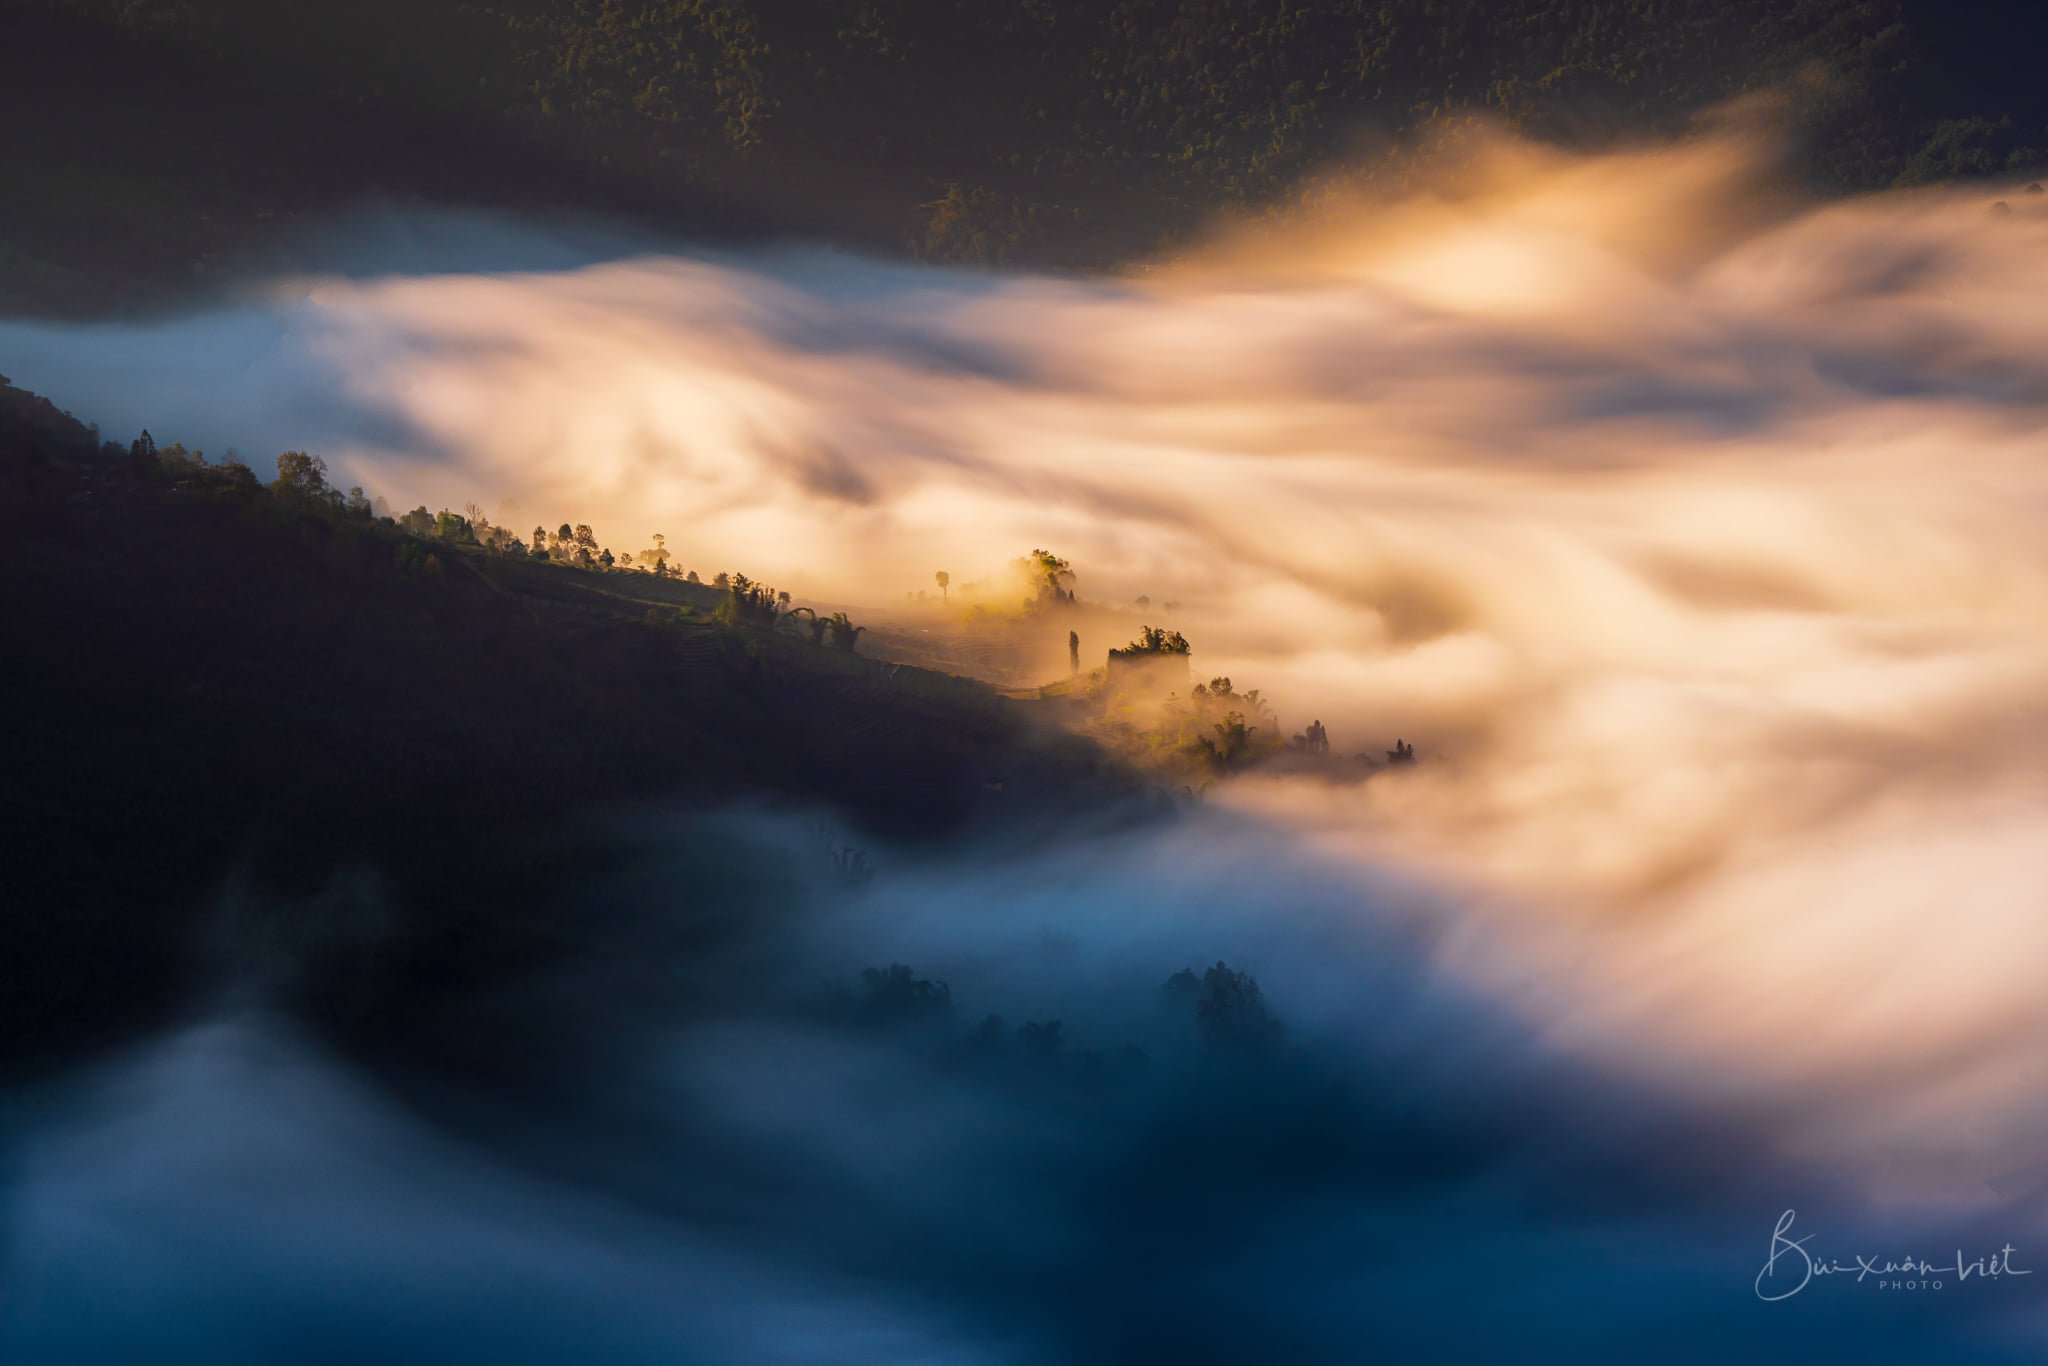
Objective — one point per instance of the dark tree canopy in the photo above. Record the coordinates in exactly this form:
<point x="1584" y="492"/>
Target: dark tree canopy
<point x="1068" y="131"/>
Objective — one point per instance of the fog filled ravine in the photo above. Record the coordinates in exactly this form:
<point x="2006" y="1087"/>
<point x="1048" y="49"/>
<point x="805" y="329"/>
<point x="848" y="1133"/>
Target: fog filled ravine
<point x="1623" y="914"/>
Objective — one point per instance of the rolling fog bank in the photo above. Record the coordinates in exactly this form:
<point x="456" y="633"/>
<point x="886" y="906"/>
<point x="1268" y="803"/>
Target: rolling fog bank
<point x="1689" y="531"/>
<point x="715" y="1126"/>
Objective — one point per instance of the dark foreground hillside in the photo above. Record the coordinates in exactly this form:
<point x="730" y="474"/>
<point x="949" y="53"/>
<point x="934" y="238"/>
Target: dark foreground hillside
<point x="211" y="683"/>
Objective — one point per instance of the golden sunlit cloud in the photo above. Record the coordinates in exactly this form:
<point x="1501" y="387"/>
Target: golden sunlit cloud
<point x="1693" y="536"/>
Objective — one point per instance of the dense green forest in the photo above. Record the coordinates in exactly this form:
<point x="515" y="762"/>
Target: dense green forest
<point x="158" y="140"/>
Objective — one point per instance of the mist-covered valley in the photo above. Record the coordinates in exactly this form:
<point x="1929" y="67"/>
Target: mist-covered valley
<point x="705" y="1131"/>
<point x="1687" y="529"/>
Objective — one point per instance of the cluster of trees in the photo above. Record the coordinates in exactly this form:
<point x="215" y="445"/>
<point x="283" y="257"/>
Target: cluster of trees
<point x="302" y="483"/>
<point x="1225" y="1006"/>
<point x="573" y="544"/>
<point x="748" y="603"/>
<point x="1215" y="727"/>
<point x="1077" y="131"/>
<point x="1153" y="666"/>
<point x="1227" y="728"/>
<point x="1153" y="640"/>
<point x="146" y="457"/>
<point x="1046" y="579"/>
<point x="1230" y="1010"/>
<point x="837" y="630"/>
<point x="757" y="606"/>
<point x="1049" y="577"/>
<point x="302" y="479"/>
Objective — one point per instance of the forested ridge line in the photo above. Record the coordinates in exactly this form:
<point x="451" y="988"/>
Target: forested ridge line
<point x="163" y="137"/>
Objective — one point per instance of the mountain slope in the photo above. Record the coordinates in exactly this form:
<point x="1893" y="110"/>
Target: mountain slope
<point x="214" y="681"/>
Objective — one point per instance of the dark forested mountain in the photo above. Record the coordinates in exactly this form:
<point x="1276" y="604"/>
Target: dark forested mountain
<point x="222" y="681"/>
<point x="152" y="138"/>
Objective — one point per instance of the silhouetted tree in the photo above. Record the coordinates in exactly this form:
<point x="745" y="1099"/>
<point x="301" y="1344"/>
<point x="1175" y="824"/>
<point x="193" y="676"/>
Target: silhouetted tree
<point x="945" y="581"/>
<point x="1233" y="739"/>
<point x="812" y="624"/>
<point x="1048" y="574"/>
<point x="1155" y="640"/>
<point x="236" y="471"/>
<point x="747" y="603"/>
<point x="657" y="554"/>
<point x="1232" y="1011"/>
<point x="300" y="477"/>
<point x="845" y="635"/>
<point x="897" y="995"/>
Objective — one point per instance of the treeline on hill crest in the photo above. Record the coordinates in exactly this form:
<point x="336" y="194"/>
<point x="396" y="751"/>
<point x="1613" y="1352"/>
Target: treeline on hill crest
<point x="163" y="133"/>
<point x="302" y="487"/>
